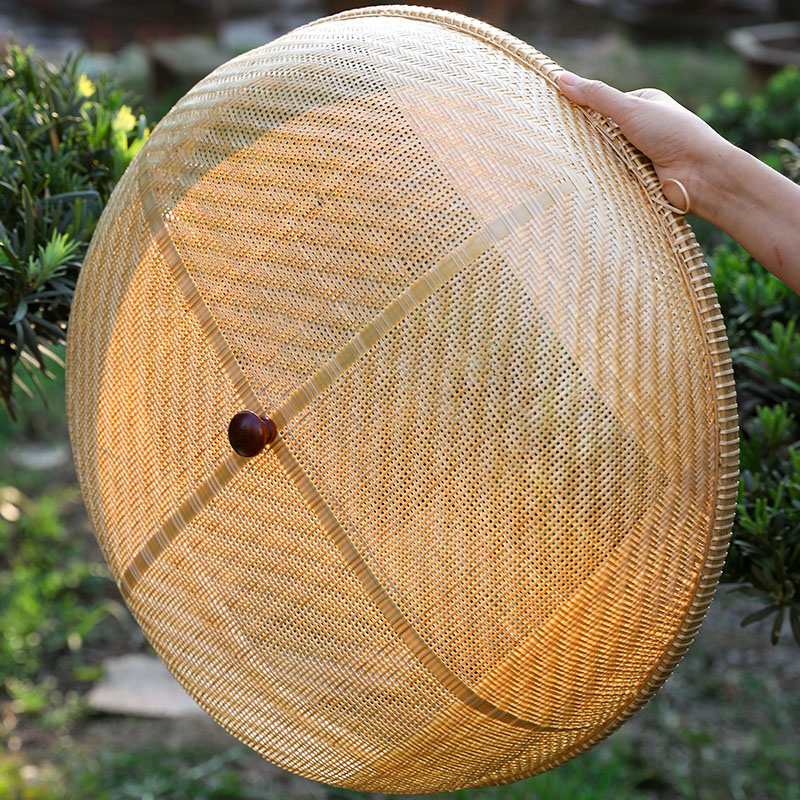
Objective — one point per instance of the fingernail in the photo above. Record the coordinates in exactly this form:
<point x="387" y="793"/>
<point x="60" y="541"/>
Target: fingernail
<point x="568" y="78"/>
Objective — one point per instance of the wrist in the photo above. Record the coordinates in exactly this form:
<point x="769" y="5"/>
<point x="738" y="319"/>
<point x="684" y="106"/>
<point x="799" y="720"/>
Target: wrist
<point x="718" y="183"/>
<point x="755" y="205"/>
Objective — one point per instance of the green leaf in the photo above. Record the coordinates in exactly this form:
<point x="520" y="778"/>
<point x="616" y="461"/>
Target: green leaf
<point x="31" y="342"/>
<point x="8" y="252"/>
<point x="30" y="220"/>
<point x="55" y="333"/>
<point x="794" y="621"/>
<point x="53" y="258"/>
<point x="790" y="384"/>
<point x="22" y="310"/>
<point x="777" y="625"/>
<point x="758" y="615"/>
<point x="86" y="194"/>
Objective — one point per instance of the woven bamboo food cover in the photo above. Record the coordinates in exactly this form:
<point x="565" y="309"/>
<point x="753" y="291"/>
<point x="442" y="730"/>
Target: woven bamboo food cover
<point x="501" y="489"/>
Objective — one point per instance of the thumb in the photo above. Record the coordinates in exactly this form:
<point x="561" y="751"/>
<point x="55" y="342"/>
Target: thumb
<point x="597" y="95"/>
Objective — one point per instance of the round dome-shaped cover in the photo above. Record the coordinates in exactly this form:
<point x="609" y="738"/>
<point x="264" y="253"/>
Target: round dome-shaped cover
<point x="501" y="489"/>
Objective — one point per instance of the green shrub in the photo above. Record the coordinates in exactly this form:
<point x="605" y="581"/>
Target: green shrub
<point x="761" y="319"/>
<point x="755" y="121"/>
<point x="64" y="143"/>
<point x="160" y="773"/>
<point x="132" y="774"/>
<point x="54" y="595"/>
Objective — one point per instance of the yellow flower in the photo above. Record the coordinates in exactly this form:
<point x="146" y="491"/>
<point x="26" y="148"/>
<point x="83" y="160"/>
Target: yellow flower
<point x="85" y="86"/>
<point x="124" y="120"/>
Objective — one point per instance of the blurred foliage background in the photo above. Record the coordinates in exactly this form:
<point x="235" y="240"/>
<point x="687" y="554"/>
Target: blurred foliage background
<point x="724" y="726"/>
<point x="64" y="143"/>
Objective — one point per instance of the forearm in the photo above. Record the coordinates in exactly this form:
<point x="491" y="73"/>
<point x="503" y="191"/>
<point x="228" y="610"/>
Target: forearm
<point x="755" y="205"/>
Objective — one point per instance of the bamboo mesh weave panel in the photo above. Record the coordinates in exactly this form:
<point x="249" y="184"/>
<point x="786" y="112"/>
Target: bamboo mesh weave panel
<point x="502" y="487"/>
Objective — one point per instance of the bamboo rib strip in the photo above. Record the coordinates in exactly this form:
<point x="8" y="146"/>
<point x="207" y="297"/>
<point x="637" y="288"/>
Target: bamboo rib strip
<point x="178" y="521"/>
<point x="388" y="608"/>
<point x="194" y="300"/>
<point x="419" y="291"/>
<point x="473" y="248"/>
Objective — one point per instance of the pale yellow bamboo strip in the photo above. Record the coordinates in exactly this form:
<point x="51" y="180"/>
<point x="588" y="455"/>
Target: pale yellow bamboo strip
<point x="178" y="521"/>
<point x="194" y="300"/>
<point x="417" y="293"/>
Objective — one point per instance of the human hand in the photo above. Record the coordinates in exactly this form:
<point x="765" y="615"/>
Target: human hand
<point x="681" y="146"/>
<point x="750" y="201"/>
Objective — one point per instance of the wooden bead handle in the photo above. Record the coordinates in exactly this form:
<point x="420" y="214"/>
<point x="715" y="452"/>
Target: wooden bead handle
<point x="249" y="434"/>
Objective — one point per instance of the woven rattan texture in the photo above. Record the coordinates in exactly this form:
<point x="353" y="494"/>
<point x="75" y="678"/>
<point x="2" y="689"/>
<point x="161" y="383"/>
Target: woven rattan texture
<point x="502" y="489"/>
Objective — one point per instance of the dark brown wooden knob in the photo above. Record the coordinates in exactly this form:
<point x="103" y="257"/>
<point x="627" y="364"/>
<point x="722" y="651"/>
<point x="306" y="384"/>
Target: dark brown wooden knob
<point x="249" y="434"/>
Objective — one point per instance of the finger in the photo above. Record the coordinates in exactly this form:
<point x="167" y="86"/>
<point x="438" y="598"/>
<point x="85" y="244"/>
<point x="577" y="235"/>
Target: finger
<point x="595" y="94"/>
